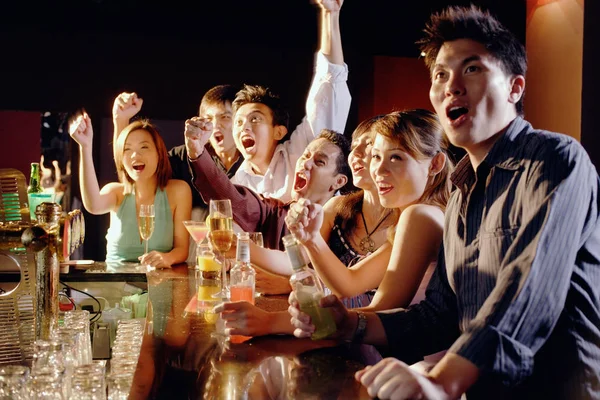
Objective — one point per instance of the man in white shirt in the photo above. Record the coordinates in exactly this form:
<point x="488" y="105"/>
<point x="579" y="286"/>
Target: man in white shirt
<point x="260" y="122"/>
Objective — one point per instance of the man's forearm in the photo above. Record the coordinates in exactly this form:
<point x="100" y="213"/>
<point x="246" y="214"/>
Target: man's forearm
<point x="374" y="333"/>
<point x="331" y="41"/>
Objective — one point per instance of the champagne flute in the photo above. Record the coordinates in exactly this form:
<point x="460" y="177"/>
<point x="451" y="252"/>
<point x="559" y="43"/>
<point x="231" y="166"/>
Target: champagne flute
<point x="220" y="226"/>
<point x="257" y="239"/>
<point x="146" y="223"/>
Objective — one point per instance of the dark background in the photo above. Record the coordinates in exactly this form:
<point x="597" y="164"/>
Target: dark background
<point x="62" y="55"/>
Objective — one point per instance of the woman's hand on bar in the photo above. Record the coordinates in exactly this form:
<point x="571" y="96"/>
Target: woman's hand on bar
<point x="155" y="259"/>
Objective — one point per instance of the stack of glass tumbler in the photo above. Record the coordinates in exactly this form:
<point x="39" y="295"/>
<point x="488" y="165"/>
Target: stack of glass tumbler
<point x="125" y="353"/>
<point x="62" y="367"/>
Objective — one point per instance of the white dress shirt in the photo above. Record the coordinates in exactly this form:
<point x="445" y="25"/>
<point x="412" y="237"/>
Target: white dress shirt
<point x="327" y="106"/>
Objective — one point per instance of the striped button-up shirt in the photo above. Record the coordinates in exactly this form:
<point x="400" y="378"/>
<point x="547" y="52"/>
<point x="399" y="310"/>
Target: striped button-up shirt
<point x="517" y="288"/>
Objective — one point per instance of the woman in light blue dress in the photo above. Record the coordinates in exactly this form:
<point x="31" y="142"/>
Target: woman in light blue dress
<point x="144" y="178"/>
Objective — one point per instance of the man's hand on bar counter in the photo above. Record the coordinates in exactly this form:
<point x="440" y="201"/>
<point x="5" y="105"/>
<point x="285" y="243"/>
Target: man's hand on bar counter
<point x="243" y="318"/>
<point x="271" y="284"/>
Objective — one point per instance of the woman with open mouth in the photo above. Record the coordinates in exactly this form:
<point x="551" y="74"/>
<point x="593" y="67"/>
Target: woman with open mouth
<point x="354" y="225"/>
<point x="385" y="235"/>
<point x="144" y="179"/>
<point x="410" y="178"/>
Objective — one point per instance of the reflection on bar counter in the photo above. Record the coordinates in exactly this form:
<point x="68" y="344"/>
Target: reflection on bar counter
<point x="175" y="346"/>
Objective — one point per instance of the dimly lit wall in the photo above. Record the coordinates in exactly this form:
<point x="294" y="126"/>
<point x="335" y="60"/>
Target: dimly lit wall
<point x="555" y="55"/>
<point x="591" y="65"/>
<point x="378" y="84"/>
<point x="20" y="146"/>
<point x="400" y="83"/>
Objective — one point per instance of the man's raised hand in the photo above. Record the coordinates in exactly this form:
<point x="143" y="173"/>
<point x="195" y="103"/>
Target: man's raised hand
<point x="197" y="134"/>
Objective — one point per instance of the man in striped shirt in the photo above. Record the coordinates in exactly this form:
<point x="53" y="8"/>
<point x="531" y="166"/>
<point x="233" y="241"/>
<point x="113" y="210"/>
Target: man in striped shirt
<point x="516" y="294"/>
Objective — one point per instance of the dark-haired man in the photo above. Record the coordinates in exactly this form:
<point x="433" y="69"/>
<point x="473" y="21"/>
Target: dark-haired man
<point x="261" y="121"/>
<point x="215" y="107"/>
<point x="322" y="168"/>
<point x="516" y="293"/>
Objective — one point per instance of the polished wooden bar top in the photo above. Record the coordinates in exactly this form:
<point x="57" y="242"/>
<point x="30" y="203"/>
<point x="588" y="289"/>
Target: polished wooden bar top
<point x="100" y="271"/>
<point x="184" y="357"/>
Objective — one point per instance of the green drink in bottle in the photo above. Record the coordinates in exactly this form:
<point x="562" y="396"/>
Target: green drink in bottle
<point x="35" y="192"/>
<point x="35" y="185"/>
<point x="308" y="290"/>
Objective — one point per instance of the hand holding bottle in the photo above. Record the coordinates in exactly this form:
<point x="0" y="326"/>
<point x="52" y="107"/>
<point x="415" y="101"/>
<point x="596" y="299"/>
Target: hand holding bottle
<point x="308" y="292"/>
<point x="304" y="220"/>
<point x="345" y="321"/>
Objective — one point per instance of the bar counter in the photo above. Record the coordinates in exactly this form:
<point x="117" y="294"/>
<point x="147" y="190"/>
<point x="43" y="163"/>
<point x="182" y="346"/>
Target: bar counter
<point x="183" y="356"/>
<point x="99" y="271"/>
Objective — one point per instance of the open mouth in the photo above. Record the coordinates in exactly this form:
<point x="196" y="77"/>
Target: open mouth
<point x="456" y="113"/>
<point x="248" y="143"/>
<point x="300" y="182"/>
<point x="384" y="188"/>
<point x="139" y="167"/>
<point x="219" y="137"/>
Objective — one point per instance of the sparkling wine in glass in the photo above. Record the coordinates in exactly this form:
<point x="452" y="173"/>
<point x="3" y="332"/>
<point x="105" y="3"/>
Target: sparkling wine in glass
<point x="146" y="223"/>
<point x="220" y="227"/>
<point x="257" y="239"/>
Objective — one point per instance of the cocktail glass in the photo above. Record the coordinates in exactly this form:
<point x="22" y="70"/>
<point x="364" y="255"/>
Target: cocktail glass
<point x="197" y="230"/>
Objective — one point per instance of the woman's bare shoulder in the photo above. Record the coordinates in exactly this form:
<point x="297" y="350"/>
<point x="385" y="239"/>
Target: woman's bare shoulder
<point x="422" y="213"/>
<point x="177" y="186"/>
<point x="178" y="191"/>
<point x="334" y="202"/>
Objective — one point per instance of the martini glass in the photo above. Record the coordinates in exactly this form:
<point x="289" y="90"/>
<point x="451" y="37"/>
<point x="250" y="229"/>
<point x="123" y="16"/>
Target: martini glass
<point x="197" y="230"/>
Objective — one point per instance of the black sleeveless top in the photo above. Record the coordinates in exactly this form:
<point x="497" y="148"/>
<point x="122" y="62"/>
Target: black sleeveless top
<point x="348" y="256"/>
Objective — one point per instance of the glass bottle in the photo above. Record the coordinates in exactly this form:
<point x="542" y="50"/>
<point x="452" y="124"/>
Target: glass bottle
<point x="308" y="290"/>
<point x="242" y="278"/>
<point x="242" y="285"/>
<point x="35" y="185"/>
